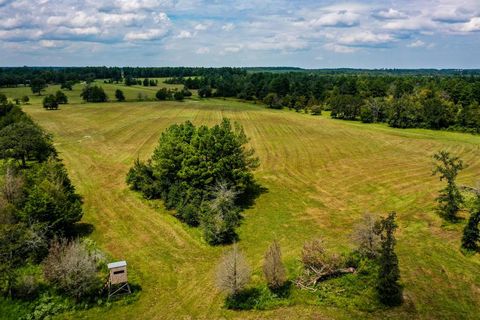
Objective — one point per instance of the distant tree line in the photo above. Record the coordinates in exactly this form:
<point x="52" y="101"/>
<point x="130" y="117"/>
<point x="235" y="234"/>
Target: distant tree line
<point x="413" y="101"/>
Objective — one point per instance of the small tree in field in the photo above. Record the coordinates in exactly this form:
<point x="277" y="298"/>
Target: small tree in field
<point x="61" y="97"/>
<point x="71" y="268"/>
<point x="366" y="236"/>
<point x="50" y="102"/>
<point x="233" y="272"/>
<point x="388" y="288"/>
<point x="119" y="95"/>
<point x="450" y="198"/>
<point x="38" y="85"/>
<point x="273" y="268"/>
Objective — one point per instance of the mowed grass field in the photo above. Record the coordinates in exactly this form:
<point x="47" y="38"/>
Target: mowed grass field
<point x="321" y="176"/>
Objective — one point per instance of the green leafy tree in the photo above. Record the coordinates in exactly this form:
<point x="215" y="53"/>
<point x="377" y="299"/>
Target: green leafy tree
<point x="450" y="199"/>
<point x="388" y="288"/>
<point x="119" y="95"/>
<point x="50" y="102"/>
<point x="67" y="85"/>
<point x="38" y="85"/>
<point x="51" y="200"/>
<point x="24" y="141"/>
<point x="94" y="94"/>
<point x="205" y="92"/>
<point x="163" y="94"/>
<point x="178" y="95"/>
<point x="130" y="81"/>
<point x="61" y="97"/>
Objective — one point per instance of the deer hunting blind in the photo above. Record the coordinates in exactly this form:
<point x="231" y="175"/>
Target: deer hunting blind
<point x="118" y="280"/>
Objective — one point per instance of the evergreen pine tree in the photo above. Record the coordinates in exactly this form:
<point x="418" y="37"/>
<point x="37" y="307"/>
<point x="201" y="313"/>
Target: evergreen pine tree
<point x="388" y="288"/>
<point x="471" y="233"/>
<point x="450" y="198"/>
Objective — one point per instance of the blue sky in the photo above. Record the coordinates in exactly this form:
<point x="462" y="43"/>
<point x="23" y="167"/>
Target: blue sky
<point x="310" y="34"/>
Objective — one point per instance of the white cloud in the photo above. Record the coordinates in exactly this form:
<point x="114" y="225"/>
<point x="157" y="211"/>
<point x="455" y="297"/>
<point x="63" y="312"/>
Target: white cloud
<point x="416" y="44"/>
<point x="184" y="34"/>
<point x="228" y="27"/>
<point x="202" y="50"/>
<point x="390" y="14"/>
<point x="470" y="26"/>
<point x="411" y="24"/>
<point x="341" y="18"/>
<point x="51" y="44"/>
<point x="364" y="38"/>
<point x="279" y="42"/>
<point x="232" y="49"/>
<point x="147" y="35"/>
<point x="201" y="27"/>
<point x="339" y="48"/>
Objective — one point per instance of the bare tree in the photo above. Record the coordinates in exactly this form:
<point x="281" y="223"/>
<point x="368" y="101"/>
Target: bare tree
<point x="12" y="186"/>
<point x="273" y="267"/>
<point x="71" y="267"/>
<point x="233" y="272"/>
<point x="366" y="235"/>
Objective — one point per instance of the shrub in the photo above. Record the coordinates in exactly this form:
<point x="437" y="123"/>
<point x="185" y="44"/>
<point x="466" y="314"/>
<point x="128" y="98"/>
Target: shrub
<point x="71" y="268"/>
<point x="316" y="110"/>
<point x="26" y="286"/>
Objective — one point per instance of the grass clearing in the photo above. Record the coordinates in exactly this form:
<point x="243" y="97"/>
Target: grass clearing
<point x="321" y="175"/>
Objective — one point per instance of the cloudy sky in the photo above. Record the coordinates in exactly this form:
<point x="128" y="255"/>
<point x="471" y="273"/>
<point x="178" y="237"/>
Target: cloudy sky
<point x="312" y="34"/>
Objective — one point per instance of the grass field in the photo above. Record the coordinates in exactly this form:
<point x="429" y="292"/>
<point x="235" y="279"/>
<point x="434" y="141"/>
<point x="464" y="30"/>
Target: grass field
<point x="130" y="92"/>
<point x="321" y="176"/>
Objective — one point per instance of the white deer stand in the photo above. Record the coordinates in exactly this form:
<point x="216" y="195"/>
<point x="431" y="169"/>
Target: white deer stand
<point x="118" y="280"/>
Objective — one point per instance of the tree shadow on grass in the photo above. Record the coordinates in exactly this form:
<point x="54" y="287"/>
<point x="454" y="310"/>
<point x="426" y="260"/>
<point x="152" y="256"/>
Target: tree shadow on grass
<point x="82" y="229"/>
<point x="244" y="300"/>
<point x="247" y="199"/>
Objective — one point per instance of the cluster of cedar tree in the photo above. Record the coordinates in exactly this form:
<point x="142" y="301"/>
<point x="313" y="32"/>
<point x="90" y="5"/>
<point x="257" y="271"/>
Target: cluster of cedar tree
<point x="204" y="173"/>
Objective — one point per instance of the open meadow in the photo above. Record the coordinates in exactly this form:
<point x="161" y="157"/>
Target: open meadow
<point x="321" y="175"/>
